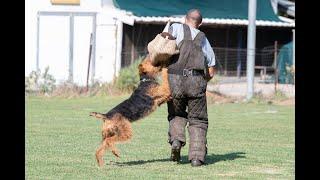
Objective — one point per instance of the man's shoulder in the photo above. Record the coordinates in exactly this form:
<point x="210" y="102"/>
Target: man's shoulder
<point x="176" y="25"/>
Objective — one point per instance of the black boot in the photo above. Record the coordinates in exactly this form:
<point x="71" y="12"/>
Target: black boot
<point x="196" y="162"/>
<point x="175" y="150"/>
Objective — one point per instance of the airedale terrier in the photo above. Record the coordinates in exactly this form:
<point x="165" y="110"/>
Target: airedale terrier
<point x="144" y="100"/>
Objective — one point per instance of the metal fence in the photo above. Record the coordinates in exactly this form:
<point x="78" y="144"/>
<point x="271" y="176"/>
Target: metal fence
<point x="232" y="61"/>
<point x="231" y="70"/>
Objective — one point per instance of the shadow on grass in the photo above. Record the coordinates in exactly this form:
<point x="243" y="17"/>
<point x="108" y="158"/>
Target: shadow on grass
<point x="210" y="159"/>
<point x="132" y="163"/>
<point x="214" y="158"/>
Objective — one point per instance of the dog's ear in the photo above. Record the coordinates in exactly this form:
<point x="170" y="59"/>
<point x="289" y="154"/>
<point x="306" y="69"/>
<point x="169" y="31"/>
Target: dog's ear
<point x="141" y="69"/>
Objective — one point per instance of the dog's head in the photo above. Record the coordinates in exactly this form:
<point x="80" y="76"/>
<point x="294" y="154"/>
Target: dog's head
<point x="147" y="69"/>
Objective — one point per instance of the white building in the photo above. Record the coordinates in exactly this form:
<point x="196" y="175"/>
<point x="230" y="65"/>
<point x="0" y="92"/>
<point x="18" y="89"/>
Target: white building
<point x="58" y="36"/>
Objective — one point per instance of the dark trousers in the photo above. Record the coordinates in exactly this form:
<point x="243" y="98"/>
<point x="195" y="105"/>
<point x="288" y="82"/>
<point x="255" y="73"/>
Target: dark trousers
<point x="189" y="107"/>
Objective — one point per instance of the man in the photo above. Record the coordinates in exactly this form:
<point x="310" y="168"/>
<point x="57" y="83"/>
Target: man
<point x="188" y="76"/>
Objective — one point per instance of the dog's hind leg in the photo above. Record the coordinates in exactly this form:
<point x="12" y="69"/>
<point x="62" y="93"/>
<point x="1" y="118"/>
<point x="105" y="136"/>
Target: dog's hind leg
<point x="107" y="133"/>
<point x="108" y="143"/>
<point x="101" y="151"/>
<point x="111" y="145"/>
<point x="114" y="150"/>
<point x="123" y="133"/>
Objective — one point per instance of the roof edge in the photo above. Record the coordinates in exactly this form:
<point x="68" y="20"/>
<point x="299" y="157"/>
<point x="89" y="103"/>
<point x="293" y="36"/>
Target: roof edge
<point x="213" y="21"/>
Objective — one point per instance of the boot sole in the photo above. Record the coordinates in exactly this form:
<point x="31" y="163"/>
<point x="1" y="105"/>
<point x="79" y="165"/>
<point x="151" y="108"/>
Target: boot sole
<point x="197" y="164"/>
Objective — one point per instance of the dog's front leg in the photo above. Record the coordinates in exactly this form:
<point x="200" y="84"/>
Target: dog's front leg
<point x="164" y="92"/>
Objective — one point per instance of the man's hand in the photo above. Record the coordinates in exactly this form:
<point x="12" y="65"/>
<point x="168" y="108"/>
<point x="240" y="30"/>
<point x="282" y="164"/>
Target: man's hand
<point x="211" y="71"/>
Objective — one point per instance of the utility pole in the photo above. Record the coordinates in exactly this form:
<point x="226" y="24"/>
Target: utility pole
<point x="293" y="32"/>
<point x="276" y="74"/>
<point x="251" y="43"/>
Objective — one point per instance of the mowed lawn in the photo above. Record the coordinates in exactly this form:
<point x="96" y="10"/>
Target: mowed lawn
<point x="245" y="141"/>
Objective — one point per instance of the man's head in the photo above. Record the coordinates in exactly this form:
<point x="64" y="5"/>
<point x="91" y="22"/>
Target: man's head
<point x="194" y="18"/>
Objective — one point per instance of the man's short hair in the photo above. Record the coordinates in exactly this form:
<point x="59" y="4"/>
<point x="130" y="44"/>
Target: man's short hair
<point x="197" y="19"/>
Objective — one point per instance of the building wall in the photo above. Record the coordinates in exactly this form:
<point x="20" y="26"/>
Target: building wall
<point x="54" y="40"/>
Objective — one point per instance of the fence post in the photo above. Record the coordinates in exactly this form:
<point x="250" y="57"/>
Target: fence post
<point x="275" y="66"/>
<point x="93" y="53"/>
<point x="226" y="53"/>
<point x="88" y="71"/>
<point x="132" y="45"/>
<point x="239" y="53"/>
<point x="293" y="49"/>
<point x="293" y="54"/>
<point x="71" y="26"/>
<point x="38" y="34"/>
<point x="119" y="32"/>
<point x="251" y="41"/>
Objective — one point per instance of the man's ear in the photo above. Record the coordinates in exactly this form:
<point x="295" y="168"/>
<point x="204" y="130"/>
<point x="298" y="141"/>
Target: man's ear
<point x="199" y="25"/>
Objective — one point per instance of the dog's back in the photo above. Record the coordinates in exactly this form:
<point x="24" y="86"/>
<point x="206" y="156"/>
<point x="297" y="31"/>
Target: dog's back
<point x="139" y="104"/>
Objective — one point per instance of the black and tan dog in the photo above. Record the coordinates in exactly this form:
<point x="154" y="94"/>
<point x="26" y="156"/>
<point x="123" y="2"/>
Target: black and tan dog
<point x="144" y="100"/>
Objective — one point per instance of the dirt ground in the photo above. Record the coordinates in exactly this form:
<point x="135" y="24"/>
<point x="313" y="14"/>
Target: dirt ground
<point x="286" y="102"/>
<point x="236" y="92"/>
<point x="240" y="89"/>
<point x="217" y="98"/>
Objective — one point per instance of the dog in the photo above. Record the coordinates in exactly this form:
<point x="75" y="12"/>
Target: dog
<point x="144" y="100"/>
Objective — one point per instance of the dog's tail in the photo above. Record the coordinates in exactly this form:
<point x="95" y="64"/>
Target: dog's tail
<point x="98" y="115"/>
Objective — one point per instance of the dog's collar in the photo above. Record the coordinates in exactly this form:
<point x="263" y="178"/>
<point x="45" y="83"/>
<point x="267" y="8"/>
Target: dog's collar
<point x="146" y="79"/>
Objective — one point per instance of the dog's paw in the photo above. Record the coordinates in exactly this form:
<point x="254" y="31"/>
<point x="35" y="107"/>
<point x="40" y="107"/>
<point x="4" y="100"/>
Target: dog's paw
<point x="100" y="163"/>
<point x="93" y="114"/>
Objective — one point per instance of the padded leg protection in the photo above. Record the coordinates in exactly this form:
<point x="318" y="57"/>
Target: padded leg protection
<point x="177" y="130"/>
<point x="198" y="141"/>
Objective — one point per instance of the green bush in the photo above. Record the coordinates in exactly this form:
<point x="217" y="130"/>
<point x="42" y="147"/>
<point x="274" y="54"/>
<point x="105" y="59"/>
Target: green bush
<point x="128" y="78"/>
<point x="40" y="83"/>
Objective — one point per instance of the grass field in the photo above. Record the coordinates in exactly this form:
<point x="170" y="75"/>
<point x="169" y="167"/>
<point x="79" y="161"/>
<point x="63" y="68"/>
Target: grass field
<point x="245" y="141"/>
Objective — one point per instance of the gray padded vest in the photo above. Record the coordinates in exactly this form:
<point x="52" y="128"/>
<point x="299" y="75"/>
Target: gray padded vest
<point x="191" y="55"/>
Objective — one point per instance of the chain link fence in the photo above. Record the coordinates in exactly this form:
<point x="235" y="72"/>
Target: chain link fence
<point x="230" y="78"/>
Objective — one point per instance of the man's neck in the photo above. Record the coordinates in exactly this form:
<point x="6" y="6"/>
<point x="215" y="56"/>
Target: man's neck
<point x="191" y="25"/>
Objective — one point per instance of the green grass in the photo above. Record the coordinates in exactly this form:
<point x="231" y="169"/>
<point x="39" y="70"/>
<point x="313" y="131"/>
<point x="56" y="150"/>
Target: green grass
<point x="245" y="141"/>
